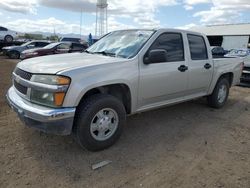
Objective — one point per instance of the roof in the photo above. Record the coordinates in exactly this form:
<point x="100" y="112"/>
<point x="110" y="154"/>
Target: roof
<point x="228" y="29"/>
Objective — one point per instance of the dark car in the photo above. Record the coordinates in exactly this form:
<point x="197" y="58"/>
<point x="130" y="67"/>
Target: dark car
<point x="75" y="40"/>
<point x="71" y="39"/>
<point x="14" y="52"/>
<point x="53" y="48"/>
<point x="218" y="51"/>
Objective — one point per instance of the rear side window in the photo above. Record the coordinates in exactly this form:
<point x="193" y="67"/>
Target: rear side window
<point x="77" y="46"/>
<point x="172" y="43"/>
<point x="197" y="46"/>
<point x="3" y="29"/>
<point x="41" y="44"/>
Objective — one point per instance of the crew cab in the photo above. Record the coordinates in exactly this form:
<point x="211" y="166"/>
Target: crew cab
<point x="90" y="94"/>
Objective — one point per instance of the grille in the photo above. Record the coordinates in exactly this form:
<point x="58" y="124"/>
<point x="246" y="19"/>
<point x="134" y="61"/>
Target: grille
<point x="23" y="74"/>
<point x="22" y="89"/>
<point x="246" y="68"/>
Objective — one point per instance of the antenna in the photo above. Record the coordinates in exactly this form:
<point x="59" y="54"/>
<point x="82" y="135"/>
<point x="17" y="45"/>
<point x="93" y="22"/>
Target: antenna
<point x="101" y="18"/>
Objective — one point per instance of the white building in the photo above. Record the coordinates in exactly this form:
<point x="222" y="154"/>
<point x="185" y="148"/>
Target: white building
<point x="228" y="36"/>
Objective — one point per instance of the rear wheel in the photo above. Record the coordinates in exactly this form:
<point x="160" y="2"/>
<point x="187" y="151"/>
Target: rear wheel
<point x="8" y="38"/>
<point x="220" y="94"/>
<point x="99" y="121"/>
<point x="14" y="55"/>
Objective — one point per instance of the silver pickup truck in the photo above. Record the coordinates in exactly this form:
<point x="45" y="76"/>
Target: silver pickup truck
<point x="90" y="94"/>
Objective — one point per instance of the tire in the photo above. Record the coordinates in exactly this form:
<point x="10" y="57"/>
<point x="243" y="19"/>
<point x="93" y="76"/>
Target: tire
<point x="14" y="55"/>
<point x="8" y="38"/>
<point x="218" y="98"/>
<point x="85" y="129"/>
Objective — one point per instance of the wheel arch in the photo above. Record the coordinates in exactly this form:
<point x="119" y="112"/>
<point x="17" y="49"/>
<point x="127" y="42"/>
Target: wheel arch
<point x="229" y="76"/>
<point x="119" y="90"/>
<point x="11" y="51"/>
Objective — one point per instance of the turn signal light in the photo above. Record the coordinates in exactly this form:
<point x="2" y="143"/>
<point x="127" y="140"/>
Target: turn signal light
<point x="58" y="98"/>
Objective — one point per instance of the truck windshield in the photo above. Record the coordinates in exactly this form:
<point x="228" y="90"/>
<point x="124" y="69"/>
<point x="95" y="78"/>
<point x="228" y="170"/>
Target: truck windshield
<point x="125" y="44"/>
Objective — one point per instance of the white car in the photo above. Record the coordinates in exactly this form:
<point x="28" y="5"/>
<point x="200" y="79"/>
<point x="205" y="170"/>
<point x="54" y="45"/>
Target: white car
<point x="7" y="35"/>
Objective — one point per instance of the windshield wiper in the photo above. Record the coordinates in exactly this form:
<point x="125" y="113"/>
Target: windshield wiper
<point x="105" y="53"/>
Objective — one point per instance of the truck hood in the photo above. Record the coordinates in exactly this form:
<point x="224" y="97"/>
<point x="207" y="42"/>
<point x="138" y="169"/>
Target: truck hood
<point x="56" y="63"/>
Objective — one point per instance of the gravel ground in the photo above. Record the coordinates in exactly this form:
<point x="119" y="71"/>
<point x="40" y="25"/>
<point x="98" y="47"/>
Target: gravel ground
<point x="187" y="145"/>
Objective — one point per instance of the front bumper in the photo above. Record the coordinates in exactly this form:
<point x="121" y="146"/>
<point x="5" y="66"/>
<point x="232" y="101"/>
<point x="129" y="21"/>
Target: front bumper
<point x="49" y="120"/>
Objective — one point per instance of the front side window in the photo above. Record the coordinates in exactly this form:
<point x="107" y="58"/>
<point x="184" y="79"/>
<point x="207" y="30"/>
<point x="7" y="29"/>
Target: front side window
<point x="52" y="45"/>
<point x="41" y="44"/>
<point x="197" y="46"/>
<point x="172" y="43"/>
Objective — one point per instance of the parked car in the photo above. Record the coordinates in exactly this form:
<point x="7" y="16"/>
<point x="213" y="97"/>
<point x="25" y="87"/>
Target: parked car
<point x="7" y="35"/>
<point x="14" y="51"/>
<point x="126" y="72"/>
<point x="245" y="55"/>
<point x="218" y="51"/>
<point x="70" y="39"/>
<point x="53" y="48"/>
<point x="75" y="40"/>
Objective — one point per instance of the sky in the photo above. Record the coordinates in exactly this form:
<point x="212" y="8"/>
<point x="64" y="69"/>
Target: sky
<point x="63" y="16"/>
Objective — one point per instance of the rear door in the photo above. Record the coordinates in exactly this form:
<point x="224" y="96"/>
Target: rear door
<point x="162" y="82"/>
<point x="3" y="32"/>
<point x="200" y="66"/>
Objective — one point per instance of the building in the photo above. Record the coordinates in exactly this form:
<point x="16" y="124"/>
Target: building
<point x="228" y="36"/>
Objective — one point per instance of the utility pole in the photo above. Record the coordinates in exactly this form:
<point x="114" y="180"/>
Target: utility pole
<point x="101" y="18"/>
<point x="81" y="24"/>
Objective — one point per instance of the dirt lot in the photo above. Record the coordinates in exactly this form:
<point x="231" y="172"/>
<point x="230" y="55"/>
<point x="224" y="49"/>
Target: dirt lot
<point x="187" y="145"/>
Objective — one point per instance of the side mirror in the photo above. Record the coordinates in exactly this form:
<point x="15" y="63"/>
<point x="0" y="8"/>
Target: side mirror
<point x="156" y="56"/>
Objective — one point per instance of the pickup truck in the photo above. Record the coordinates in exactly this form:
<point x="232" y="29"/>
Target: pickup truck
<point x="90" y="94"/>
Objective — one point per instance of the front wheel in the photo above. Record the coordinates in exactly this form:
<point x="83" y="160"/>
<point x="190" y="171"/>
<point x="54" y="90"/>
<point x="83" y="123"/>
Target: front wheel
<point x="220" y="94"/>
<point x="8" y="38"/>
<point x="14" y="55"/>
<point x="99" y="121"/>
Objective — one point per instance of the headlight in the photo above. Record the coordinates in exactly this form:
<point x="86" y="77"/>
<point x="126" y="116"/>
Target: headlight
<point x="52" y="99"/>
<point x="51" y="79"/>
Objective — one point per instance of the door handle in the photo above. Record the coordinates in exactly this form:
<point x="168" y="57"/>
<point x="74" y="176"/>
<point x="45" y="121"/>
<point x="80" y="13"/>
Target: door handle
<point x="207" y="66"/>
<point x="182" y="68"/>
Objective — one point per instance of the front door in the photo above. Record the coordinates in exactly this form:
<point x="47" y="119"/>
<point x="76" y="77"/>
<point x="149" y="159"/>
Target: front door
<point x="164" y="81"/>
